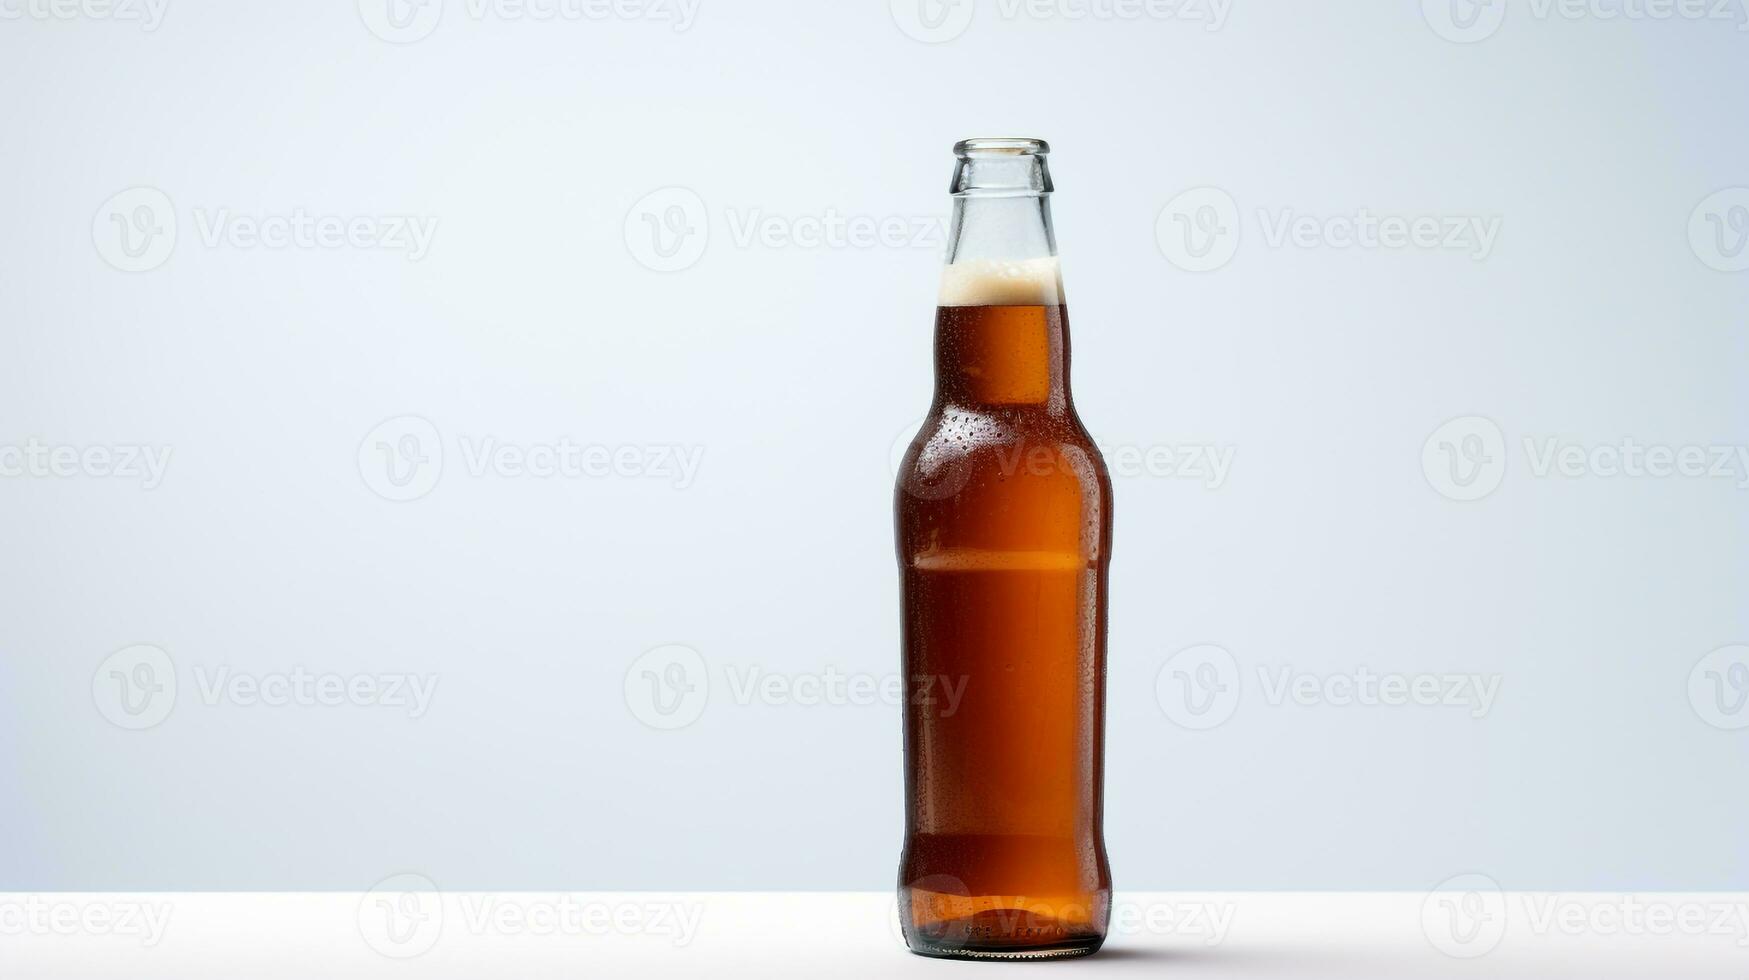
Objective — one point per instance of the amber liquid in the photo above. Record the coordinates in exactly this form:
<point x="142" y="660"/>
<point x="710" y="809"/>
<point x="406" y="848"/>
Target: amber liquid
<point x="1004" y="531"/>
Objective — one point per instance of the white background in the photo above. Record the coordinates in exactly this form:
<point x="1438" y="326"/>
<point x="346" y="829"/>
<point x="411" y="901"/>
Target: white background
<point x="1611" y="756"/>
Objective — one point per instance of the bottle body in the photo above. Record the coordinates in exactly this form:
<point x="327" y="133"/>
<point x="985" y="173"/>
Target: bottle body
<point x="1003" y="521"/>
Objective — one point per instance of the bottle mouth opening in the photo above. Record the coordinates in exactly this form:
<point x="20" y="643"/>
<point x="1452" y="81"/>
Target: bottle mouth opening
<point x="1000" y="166"/>
<point x="1000" y="146"/>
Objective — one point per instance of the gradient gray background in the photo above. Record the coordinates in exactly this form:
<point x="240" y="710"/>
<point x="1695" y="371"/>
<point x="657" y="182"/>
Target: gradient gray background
<point x="795" y="369"/>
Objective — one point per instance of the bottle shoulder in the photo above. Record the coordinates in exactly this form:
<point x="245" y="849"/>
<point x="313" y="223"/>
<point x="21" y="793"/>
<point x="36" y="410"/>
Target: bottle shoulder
<point x="960" y="446"/>
<point x="989" y="489"/>
<point x="967" y="429"/>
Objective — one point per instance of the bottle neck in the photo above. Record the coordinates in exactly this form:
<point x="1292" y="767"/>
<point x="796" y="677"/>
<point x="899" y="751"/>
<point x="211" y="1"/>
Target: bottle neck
<point x="1002" y="335"/>
<point x="1007" y="228"/>
<point x="1001" y="202"/>
<point x="992" y="357"/>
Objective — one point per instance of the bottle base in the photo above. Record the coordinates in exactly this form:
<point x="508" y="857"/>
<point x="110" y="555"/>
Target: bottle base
<point x="1052" y="952"/>
<point x="1006" y="934"/>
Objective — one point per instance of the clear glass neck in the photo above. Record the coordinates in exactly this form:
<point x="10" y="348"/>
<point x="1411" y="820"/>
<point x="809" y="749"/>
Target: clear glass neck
<point x="1001" y="250"/>
<point x="1001" y="338"/>
<point x="1001" y="201"/>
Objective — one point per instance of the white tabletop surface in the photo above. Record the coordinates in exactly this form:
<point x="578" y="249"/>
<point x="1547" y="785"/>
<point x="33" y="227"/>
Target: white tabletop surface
<point x="402" y="929"/>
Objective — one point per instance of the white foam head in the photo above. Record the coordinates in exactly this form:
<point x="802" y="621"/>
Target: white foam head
<point x="1002" y="282"/>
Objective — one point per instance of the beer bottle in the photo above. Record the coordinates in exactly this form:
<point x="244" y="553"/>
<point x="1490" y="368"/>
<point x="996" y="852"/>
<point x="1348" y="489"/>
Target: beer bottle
<point x="1003" y="521"/>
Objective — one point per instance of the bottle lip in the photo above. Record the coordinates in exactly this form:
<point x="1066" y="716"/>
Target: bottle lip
<point x="1001" y="146"/>
<point x="1000" y="166"/>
